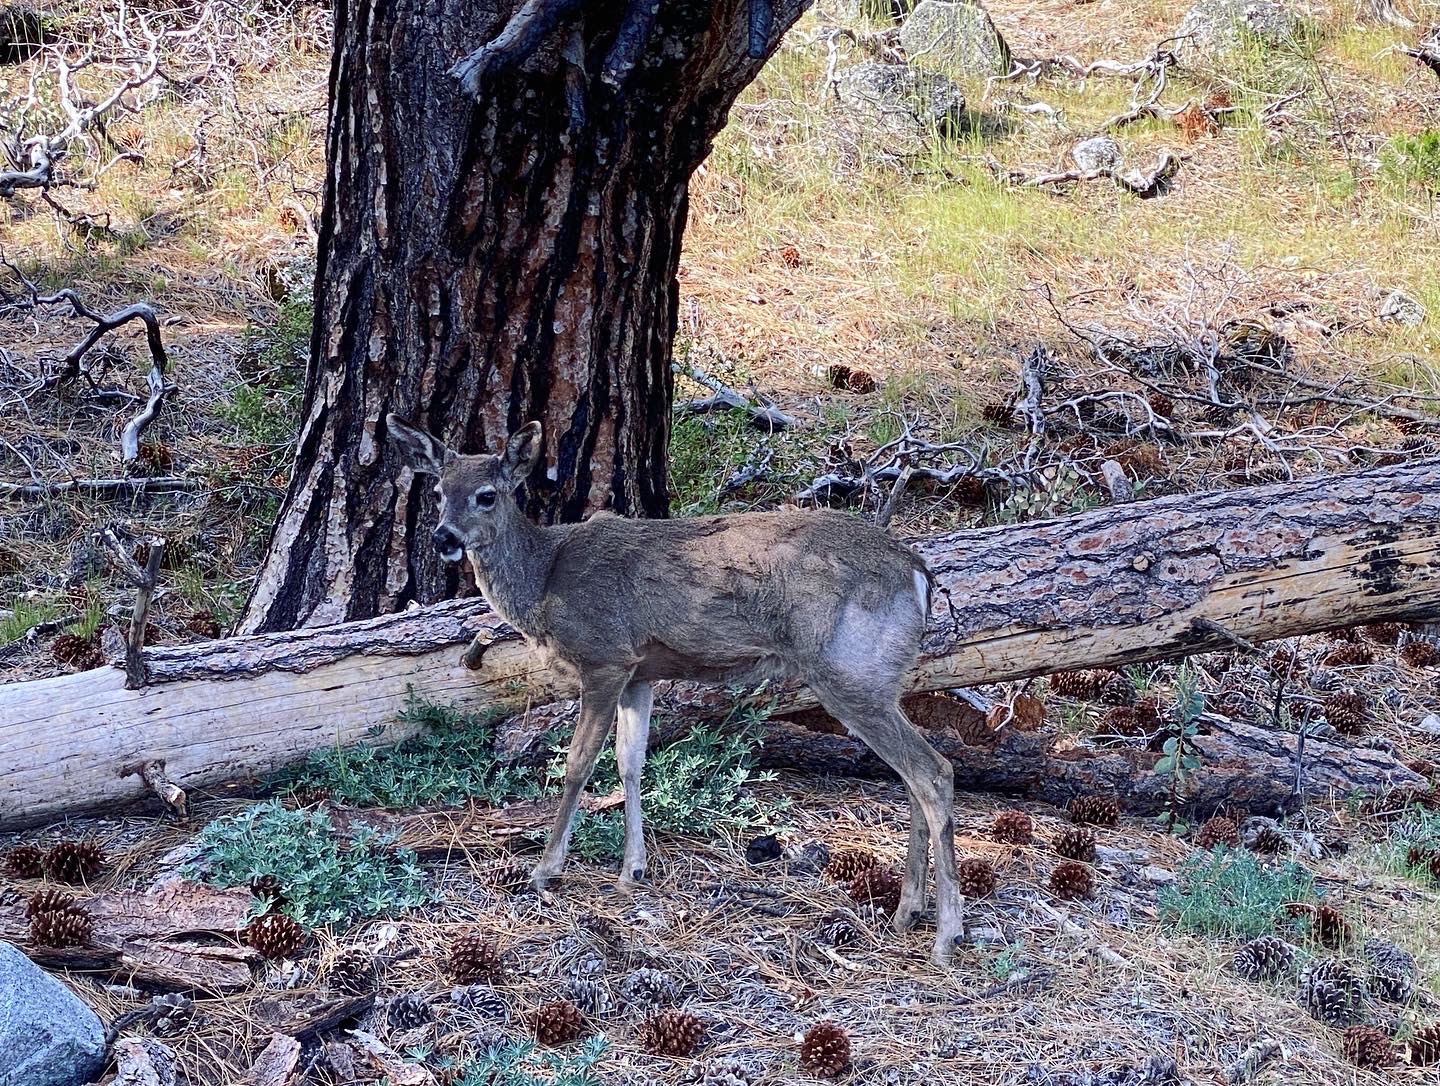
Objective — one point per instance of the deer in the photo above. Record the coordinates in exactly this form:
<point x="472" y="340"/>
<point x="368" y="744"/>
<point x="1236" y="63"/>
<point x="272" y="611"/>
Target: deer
<point x="617" y="604"/>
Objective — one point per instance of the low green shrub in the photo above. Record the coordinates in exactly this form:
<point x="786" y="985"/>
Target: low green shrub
<point x="524" y="1063"/>
<point x="325" y="878"/>
<point x="1230" y="893"/>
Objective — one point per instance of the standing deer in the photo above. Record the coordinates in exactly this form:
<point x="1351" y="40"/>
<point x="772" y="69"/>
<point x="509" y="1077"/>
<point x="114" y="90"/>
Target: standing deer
<point x="816" y="596"/>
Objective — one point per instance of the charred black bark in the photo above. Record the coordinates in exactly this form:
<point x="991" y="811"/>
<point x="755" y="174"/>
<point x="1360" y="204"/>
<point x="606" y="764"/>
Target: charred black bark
<point x="506" y="195"/>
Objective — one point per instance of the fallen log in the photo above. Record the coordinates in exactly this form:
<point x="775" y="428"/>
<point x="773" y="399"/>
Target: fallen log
<point x="1117" y="585"/>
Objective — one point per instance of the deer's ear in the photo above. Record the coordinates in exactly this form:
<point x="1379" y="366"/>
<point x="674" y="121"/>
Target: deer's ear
<point x="522" y="453"/>
<point x="418" y="450"/>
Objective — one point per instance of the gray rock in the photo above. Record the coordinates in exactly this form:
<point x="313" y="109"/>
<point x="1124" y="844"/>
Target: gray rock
<point x="1400" y="308"/>
<point x="1098" y="153"/>
<point x="901" y="107"/>
<point x="47" y="1036"/>
<point x="955" y="36"/>
<point x="1217" y="25"/>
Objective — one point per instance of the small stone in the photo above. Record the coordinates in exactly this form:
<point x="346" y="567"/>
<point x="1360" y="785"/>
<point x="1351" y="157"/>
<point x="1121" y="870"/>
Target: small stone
<point x="900" y="107"/>
<point x="1221" y="25"/>
<point x="957" y="37"/>
<point x="1098" y="153"/>
<point x="1400" y="308"/>
<point x="48" y="1037"/>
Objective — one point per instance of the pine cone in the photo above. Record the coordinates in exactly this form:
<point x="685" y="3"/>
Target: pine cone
<point x="353" y="971"/>
<point x="172" y="1012"/>
<point x="877" y="886"/>
<point x="1095" y="810"/>
<point x="1384" y="633"/>
<point x="1013" y="828"/>
<point x="24" y="862"/>
<point x="474" y="958"/>
<point x="1265" y="840"/>
<point x="846" y="863"/>
<point x="1393" y="972"/>
<point x="1122" y="720"/>
<point x="1161" y="404"/>
<point x="825" y="1050"/>
<point x="274" y="935"/>
<point x="511" y="877"/>
<point x="837" y="930"/>
<point x="1282" y="662"/>
<point x="1117" y="689"/>
<point x="1264" y="958"/>
<point x="1424" y="1048"/>
<point x="1071" y="880"/>
<point x="481" y="1002"/>
<point x="1368" y="1047"/>
<point x="47" y="901"/>
<point x="1329" y="927"/>
<point x="77" y="653"/>
<point x="74" y="861"/>
<point x="1422" y="766"/>
<point x="1075" y="844"/>
<point x="726" y="1072"/>
<point x="1218" y="831"/>
<point x="590" y="996"/>
<point x="1347" y="712"/>
<point x="763" y="850"/>
<point x="1026" y="713"/>
<point x="1000" y="413"/>
<point x="970" y="490"/>
<point x="976" y="877"/>
<point x="204" y="624"/>
<point x="558" y="1023"/>
<point x="648" y="988"/>
<point x="70" y="926"/>
<point x="672" y="1033"/>
<point x="1420" y="652"/>
<point x="1331" y="992"/>
<point x="1082" y="685"/>
<point x="1351" y="654"/>
<point x="409" y="1010"/>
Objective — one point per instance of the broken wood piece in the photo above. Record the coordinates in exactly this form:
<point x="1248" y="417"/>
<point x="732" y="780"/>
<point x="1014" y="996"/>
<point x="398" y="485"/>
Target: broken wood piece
<point x="301" y="1015"/>
<point x="278" y="1063"/>
<point x="170" y="793"/>
<point x="143" y="1061"/>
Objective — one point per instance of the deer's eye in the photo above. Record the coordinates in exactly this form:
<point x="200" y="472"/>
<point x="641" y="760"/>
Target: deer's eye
<point x="485" y="498"/>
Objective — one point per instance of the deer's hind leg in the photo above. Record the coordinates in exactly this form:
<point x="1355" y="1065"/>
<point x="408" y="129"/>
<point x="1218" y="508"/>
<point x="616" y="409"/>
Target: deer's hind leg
<point x="599" y="696"/>
<point x="632" y="736"/>
<point x="930" y="781"/>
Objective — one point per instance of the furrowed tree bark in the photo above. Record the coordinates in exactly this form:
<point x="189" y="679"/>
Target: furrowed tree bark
<point x="485" y="263"/>
<point x="1113" y="586"/>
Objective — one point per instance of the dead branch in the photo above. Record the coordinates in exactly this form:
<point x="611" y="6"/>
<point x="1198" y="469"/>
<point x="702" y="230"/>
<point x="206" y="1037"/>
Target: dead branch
<point x="101" y="488"/>
<point x="1427" y="51"/>
<point x="517" y="41"/>
<point x="764" y="415"/>
<point x="1145" y="184"/>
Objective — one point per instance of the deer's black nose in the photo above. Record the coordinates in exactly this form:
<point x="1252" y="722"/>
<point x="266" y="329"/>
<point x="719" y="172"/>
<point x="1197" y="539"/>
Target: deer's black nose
<point x="446" y="542"/>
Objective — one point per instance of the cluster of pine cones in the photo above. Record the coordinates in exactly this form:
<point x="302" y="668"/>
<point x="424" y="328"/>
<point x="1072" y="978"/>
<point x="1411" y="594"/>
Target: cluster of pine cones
<point x="73" y="862"/>
<point x="56" y="920"/>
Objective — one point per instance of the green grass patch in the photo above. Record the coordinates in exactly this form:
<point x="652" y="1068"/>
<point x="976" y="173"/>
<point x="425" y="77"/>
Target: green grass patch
<point x="1231" y="894"/>
<point x="24" y="616"/>
<point x="1412" y="161"/>
<point x="453" y="760"/>
<point x="325" y="878"/>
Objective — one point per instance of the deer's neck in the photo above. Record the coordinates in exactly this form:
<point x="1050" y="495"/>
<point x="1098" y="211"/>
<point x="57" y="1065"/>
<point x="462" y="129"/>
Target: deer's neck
<point x="512" y="570"/>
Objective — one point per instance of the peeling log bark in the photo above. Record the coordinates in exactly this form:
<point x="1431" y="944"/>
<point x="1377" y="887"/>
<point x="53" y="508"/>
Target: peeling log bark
<point x="1113" y="586"/>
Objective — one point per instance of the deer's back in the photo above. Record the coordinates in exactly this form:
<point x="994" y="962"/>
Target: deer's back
<point x="708" y="596"/>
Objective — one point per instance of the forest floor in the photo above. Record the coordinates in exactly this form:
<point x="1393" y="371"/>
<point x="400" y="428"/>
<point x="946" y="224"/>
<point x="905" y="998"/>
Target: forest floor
<point x="886" y="301"/>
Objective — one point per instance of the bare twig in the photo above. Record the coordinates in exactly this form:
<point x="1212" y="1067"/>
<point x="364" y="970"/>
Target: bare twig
<point x="763" y="414"/>
<point x="101" y="488"/>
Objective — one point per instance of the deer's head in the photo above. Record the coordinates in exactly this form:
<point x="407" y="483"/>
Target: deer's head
<point x="477" y="493"/>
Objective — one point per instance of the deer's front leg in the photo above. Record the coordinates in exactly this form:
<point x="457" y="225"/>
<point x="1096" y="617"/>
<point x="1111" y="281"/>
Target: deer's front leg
<point x="632" y="736"/>
<point x="600" y="694"/>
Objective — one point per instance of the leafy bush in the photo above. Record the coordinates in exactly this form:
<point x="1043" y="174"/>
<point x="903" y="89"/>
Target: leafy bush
<point x="326" y="879"/>
<point x="1231" y="893"/>
<point x="694" y="786"/>
<point x="452" y="761"/>
<point x="523" y="1063"/>
<point x="1413" y="160"/>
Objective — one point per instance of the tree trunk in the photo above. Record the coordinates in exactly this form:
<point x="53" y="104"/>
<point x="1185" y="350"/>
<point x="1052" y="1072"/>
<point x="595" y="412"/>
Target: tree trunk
<point x="483" y="265"/>
<point x="1126" y="584"/>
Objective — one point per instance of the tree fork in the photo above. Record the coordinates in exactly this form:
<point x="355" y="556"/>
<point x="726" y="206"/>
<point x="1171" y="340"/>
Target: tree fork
<point x="1119" y="585"/>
